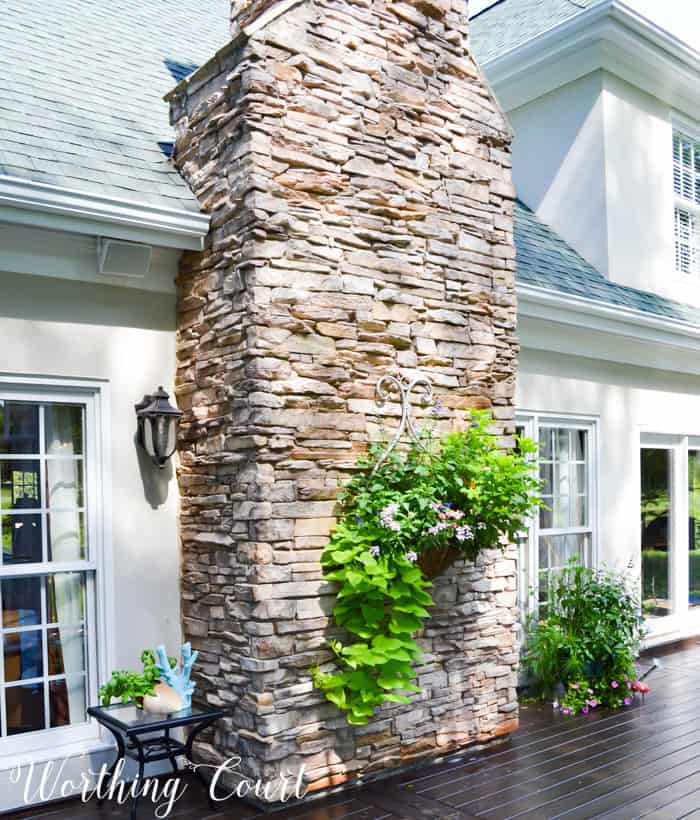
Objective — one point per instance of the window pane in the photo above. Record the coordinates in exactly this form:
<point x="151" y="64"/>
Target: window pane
<point x="21" y="602"/>
<point x="562" y="437"/>
<point x="21" y="539"/>
<point x="694" y="527"/>
<point x="66" y="536"/>
<point x="19" y="485"/>
<point x="656" y="548"/>
<point x="546" y="514"/>
<point x="64" y="483"/>
<point x="23" y="655"/>
<point x="578" y="442"/>
<point x="66" y="598"/>
<point x="66" y="651"/>
<point x="64" y="429"/>
<point x="546" y="452"/>
<point x="67" y="701"/>
<point x="25" y="708"/>
<point x="19" y="428"/>
<point x="556" y="551"/>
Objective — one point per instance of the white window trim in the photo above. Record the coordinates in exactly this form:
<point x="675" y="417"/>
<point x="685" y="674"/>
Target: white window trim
<point x="531" y="420"/>
<point x="37" y="746"/>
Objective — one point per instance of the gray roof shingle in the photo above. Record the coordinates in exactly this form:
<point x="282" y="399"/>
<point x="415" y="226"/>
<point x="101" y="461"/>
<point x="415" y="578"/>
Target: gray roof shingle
<point x="81" y="87"/>
<point x="545" y="260"/>
<point x="510" y="23"/>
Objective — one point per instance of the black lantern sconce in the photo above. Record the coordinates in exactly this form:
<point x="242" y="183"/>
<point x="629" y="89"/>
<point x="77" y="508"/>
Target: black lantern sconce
<point x="158" y="421"/>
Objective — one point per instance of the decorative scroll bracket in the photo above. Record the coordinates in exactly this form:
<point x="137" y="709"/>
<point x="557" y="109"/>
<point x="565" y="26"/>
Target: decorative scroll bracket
<point x="404" y="387"/>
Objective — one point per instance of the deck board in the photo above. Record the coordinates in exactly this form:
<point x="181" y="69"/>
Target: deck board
<point x="641" y="762"/>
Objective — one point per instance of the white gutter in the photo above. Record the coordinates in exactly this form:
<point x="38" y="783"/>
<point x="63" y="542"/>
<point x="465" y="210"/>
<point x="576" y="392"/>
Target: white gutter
<point x="63" y="209"/>
<point x="617" y="320"/>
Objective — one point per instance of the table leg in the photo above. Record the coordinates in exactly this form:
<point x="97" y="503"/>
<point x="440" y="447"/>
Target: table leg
<point x="173" y="757"/>
<point x="139" y="782"/>
<point x="113" y="767"/>
<point x="188" y="756"/>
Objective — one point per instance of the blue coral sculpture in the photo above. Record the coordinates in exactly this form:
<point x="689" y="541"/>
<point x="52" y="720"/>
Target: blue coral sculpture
<point x="178" y="679"/>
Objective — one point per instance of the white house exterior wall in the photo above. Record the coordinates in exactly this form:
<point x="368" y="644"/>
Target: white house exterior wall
<point x="56" y="330"/>
<point x="559" y="167"/>
<point x="625" y="402"/>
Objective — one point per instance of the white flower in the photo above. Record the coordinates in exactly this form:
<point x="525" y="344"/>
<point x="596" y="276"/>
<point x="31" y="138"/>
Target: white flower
<point x="464" y="533"/>
<point x="412" y="556"/>
<point x="386" y="517"/>
<point x="374" y="551"/>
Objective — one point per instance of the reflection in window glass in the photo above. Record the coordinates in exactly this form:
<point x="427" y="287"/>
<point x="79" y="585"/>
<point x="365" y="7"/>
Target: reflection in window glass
<point x="66" y="536"/>
<point x="24" y="655"/>
<point x="43" y="521"/>
<point x="19" y="485"/>
<point x="564" y="525"/>
<point x="63" y="424"/>
<point x="656" y="543"/>
<point x="21" y="602"/>
<point x="25" y="708"/>
<point x="694" y="527"/>
<point x="19" y="428"/>
<point x="21" y="539"/>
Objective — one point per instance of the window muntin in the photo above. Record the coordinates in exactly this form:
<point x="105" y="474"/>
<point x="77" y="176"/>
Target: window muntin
<point x="45" y="572"/>
<point x="686" y="187"/>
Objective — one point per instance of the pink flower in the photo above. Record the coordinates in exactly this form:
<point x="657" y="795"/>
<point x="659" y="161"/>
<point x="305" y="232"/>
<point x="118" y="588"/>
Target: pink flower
<point x="593" y="703"/>
<point x="575" y="686"/>
<point x="584" y="710"/>
<point x="627" y="701"/>
<point x="629" y="685"/>
<point x="590" y="691"/>
<point x="626" y="678"/>
<point x="614" y="684"/>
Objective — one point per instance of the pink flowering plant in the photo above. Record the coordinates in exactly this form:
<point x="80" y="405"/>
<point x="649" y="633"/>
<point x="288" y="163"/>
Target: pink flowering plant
<point x="586" y="639"/>
<point x="459" y="491"/>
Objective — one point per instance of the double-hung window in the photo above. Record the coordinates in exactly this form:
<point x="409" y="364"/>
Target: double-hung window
<point x="686" y="188"/>
<point x="47" y="566"/>
<point x="564" y="527"/>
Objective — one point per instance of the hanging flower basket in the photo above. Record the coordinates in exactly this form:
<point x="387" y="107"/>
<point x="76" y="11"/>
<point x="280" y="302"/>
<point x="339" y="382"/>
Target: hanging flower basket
<point x="434" y="562"/>
<point x="416" y="505"/>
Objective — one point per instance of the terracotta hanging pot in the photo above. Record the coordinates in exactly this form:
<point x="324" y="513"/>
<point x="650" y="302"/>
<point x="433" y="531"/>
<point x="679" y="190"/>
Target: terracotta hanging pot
<point x="435" y="561"/>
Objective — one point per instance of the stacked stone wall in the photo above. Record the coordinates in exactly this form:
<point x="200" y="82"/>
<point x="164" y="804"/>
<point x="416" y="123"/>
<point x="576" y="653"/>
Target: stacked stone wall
<point x="356" y="169"/>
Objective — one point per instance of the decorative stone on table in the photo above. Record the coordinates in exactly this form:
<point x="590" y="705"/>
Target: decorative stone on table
<point x="175" y="692"/>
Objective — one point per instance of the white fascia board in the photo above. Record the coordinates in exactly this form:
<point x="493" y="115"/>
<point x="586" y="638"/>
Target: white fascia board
<point x="612" y="320"/>
<point x="609" y="36"/>
<point x="63" y="209"/>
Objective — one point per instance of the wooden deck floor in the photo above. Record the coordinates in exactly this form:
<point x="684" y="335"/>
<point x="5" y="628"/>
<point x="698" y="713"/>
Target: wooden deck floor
<point x="641" y="762"/>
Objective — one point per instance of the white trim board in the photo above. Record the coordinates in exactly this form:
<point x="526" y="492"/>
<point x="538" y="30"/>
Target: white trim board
<point x="608" y="35"/>
<point x="48" y="206"/>
<point x="549" y="320"/>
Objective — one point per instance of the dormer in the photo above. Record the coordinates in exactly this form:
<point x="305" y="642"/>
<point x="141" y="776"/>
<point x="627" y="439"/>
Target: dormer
<point x="605" y="108"/>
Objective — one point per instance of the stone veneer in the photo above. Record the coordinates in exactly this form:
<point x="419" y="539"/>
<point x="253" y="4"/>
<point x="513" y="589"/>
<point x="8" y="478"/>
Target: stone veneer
<point x="357" y="173"/>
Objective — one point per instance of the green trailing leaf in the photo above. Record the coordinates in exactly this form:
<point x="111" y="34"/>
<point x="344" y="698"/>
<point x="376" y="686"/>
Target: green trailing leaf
<point x="460" y="491"/>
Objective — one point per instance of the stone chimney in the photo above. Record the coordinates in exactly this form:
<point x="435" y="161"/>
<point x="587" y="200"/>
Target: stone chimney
<point x="356" y="169"/>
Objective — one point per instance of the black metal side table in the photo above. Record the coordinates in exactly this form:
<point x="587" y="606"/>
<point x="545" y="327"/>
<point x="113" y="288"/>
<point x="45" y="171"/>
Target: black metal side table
<point x="145" y="737"/>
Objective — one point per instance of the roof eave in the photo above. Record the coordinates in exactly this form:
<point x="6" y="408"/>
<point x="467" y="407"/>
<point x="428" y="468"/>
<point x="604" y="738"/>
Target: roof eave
<point x="55" y="208"/>
<point x="546" y="304"/>
<point x="609" y="35"/>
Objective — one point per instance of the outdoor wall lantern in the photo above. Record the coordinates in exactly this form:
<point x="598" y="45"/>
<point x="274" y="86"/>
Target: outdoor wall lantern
<point x="157" y="421"/>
